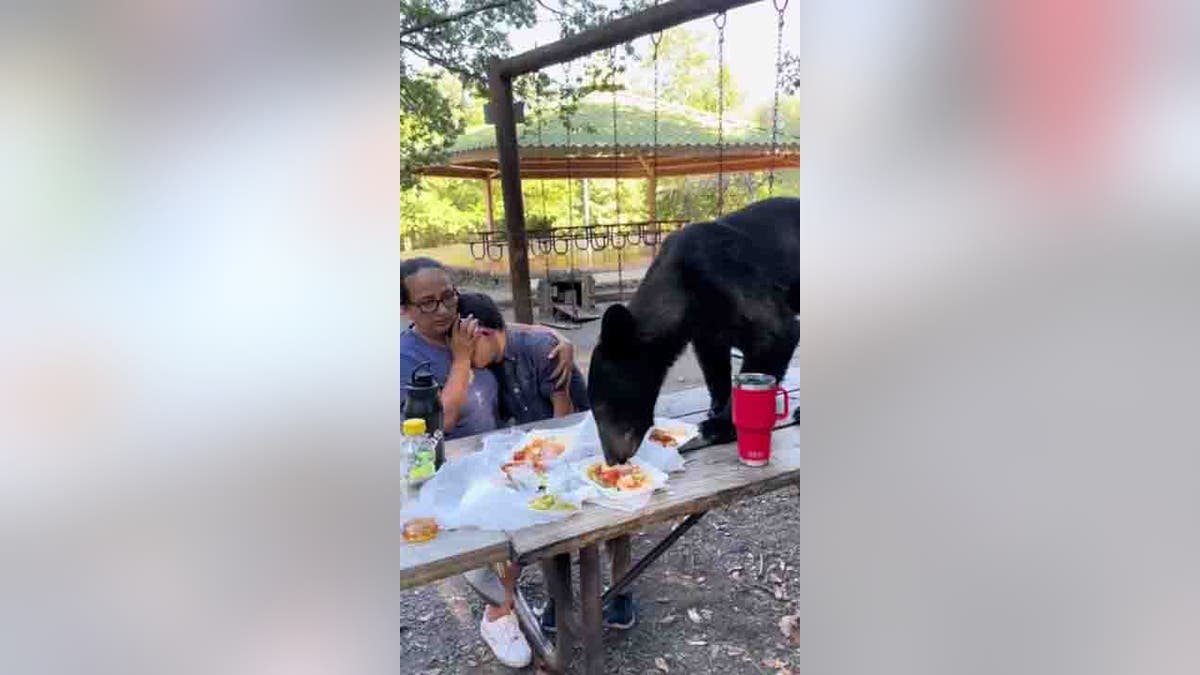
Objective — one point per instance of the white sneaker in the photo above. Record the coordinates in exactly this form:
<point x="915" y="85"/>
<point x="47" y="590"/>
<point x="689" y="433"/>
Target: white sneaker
<point x="504" y="637"/>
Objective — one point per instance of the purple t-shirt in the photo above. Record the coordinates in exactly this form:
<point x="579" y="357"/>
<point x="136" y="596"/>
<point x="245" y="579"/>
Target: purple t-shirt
<point x="479" y="413"/>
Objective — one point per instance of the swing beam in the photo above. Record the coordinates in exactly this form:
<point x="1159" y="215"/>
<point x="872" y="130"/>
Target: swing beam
<point x="500" y="78"/>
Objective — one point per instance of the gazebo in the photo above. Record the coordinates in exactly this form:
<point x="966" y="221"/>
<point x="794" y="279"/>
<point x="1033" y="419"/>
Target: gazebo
<point x="689" y="142"/>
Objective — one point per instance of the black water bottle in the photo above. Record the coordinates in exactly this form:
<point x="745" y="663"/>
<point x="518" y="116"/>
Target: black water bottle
<point x="424" y="401"/>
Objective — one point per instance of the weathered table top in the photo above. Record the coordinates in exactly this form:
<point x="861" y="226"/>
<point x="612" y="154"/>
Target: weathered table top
<point x="713" y="476"/>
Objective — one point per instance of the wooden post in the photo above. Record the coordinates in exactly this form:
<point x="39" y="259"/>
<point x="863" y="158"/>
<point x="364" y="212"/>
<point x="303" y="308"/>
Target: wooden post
<point x="500" y="88"/>
<point x="491" y="205"/>
<point x="606" y="35"/>
<point x="621" y="550"/>
<point x="557" y="573"/>
<point x="590" y="609"/>
<point x="587" y="205"/>
<point x="652" y="194"/>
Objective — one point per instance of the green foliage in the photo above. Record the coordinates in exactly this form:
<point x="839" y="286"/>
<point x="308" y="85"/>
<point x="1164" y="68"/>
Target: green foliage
<point x="463" y="48"/>
<point x="440" y="211"/>
<point x="789" y="117"/>
<point x="442" y="103"/>
<point x="687" y="67"/>
<point x="694" y="198"/>
<point x="428" y="125"/>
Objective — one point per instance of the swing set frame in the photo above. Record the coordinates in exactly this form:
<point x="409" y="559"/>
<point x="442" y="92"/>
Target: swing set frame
<point x="501" y="73"/>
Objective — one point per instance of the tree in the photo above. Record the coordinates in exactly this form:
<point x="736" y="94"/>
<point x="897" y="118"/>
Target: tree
<point x="789" y="116"/>
<point x="688" y="72"/>
<point x="463" y="46"/>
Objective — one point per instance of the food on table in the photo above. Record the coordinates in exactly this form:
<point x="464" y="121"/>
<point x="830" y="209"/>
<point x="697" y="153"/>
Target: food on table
<point x="419" y="530"/>
<point x="551" y="503"/>
<point x="663" y="437"/>
<point x="625" y="477"/>
<point x="535" y="453"/>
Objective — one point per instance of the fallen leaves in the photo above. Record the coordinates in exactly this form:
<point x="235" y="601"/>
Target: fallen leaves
<point x="661" y="664"/>
<point x="697" y="643"/>
<point x="735" y="651"/>
<point x="667" y="620"/>
<point x="789" y="625"/>
<point x="774" y="663"/>
<point x="694" y="616"/>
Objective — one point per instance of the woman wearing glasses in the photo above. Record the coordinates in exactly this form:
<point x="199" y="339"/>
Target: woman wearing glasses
<point x="470" y="397"/>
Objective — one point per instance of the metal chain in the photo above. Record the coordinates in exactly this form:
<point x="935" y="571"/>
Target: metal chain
<point x="779" y="8"/>
<point x="612" y="67"/>
<point x="719" y="21"/>
<point x="656" y="40"/>
<point x="568" y="70"/>
<point x="539" y="100"/>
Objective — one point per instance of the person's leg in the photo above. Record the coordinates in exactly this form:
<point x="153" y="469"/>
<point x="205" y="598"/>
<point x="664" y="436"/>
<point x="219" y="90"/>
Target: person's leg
<point x="620" y="611"/>
<point x="499" y="627"/>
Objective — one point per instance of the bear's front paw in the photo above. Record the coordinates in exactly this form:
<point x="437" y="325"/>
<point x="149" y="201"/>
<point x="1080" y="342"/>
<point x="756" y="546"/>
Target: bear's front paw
<point x="796" y="415"/>
<point x="718" y="430"/>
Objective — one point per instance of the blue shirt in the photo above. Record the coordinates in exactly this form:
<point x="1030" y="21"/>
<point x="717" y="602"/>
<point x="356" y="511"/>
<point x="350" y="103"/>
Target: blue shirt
<point x="529" y="381"/>
<point x="479" y="413"/>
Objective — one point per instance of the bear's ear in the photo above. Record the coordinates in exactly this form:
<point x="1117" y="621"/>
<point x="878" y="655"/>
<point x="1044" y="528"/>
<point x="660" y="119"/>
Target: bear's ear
<point x="618" y="329"/>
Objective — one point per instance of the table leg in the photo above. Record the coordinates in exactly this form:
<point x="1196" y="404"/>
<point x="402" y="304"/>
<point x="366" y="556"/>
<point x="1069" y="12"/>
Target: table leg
<point x="590" y="608"/>
<point x="621" y="550"/>
<point x="557" y="573"/>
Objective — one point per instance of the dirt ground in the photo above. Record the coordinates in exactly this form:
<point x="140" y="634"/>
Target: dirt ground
<point x="712" y="604"/>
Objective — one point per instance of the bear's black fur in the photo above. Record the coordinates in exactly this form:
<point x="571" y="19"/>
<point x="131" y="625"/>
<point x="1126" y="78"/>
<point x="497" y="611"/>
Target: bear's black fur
<point x="734" y="281"/>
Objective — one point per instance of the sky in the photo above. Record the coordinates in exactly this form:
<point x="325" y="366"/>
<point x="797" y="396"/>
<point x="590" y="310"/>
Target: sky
<point x="749" y="44"/>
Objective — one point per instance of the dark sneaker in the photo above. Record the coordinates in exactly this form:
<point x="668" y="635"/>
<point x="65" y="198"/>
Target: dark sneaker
<point x="549" y="625"/>
<point x="620" y="612"/>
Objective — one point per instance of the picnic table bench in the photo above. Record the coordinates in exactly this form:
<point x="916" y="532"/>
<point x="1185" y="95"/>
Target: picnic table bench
<point x="712" y="477"/>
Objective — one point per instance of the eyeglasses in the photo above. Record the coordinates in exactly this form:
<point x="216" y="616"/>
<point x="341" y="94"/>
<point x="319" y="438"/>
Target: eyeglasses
<point x="449" y="300"/>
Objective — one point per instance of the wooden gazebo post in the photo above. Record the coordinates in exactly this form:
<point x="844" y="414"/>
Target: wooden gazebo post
<point x="652" y="194"/>
<point x="491" y="208"/>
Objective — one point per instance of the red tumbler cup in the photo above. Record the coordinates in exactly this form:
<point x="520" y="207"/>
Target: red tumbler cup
<point x="756" y="407"/>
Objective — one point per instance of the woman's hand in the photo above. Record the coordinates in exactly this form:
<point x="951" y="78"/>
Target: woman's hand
<point x="462" y="338"/>
<point x="564" y="351"/>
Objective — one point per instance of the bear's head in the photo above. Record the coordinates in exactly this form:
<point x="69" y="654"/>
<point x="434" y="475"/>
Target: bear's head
<point x="623" y="384"/>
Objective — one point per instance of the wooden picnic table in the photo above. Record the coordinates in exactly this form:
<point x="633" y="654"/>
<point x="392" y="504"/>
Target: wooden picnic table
<point x="712" y="477"/>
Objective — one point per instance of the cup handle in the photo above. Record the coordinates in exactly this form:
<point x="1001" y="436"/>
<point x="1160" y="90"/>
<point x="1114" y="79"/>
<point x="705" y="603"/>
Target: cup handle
<point x="787" y="403"/>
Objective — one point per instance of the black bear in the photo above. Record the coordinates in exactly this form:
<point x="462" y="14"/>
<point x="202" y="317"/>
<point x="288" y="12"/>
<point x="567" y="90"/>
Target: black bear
<point x="734" y="281"/>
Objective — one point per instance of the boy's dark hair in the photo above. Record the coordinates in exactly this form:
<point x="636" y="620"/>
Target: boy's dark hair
<point x="483" y="308"/>
<point x="412" y="266"/>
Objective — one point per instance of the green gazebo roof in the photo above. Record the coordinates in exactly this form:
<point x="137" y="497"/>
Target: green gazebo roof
<point x="687" y="143"/>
